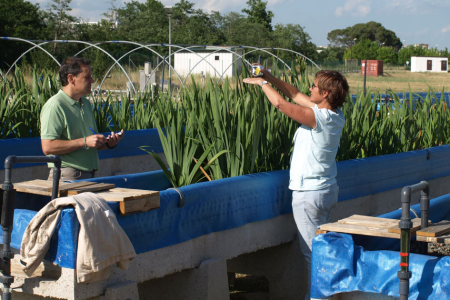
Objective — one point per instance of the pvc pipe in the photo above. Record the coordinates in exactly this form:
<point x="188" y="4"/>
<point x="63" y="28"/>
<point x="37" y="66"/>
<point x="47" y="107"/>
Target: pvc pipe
<point x="7" y="212"/>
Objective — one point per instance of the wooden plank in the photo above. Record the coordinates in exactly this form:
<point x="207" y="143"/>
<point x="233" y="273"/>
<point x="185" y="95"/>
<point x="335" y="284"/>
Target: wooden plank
<point x="123" y="194"/>
<point x="417" y="223"/>
<point x="320" y="231"/>
<point x="44" y="187"/>
<point x="443" y="239"/>
<point x="357" y="229"/>
<point x="435" y="230"/>
<point x="140" y="205"/>
<point x="45" y="269"/>
<point x="37" y="183"/>
<point x="64" y="187"/>
<point x="39" y="187"/>
<point x="136" y="193"/>
<point x="91" y="188"/>
<point x="369" y="221"/>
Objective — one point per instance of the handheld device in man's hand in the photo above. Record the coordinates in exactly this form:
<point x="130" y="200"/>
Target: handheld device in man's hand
<point x="119" y="134"/>
<point x="257" y="70"/>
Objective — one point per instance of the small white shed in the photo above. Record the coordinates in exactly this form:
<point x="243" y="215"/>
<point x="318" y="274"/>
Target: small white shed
<point x="429" y="64"/>
<point x="213" y="61"/>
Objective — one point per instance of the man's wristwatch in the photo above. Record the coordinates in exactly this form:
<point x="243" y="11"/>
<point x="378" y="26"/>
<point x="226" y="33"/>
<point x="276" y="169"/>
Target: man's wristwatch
<point x="263" y="83"/>
<point x="109" y="147"/>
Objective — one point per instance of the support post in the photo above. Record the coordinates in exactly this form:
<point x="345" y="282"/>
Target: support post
<point x="7" y="212"/>
<point x="405" y="226"/>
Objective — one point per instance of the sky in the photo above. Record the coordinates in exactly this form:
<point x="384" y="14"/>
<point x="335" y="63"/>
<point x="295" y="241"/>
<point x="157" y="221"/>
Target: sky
<point x="413" y="21"/>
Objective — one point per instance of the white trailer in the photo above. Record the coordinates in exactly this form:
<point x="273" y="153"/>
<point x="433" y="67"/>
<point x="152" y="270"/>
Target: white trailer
<point x="212" y="61"/>
<point x="429" y="64"/>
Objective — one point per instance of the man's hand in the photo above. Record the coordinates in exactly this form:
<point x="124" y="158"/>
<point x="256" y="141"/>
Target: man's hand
<point x="114" y="138"/>
<point x="95" y="140"/>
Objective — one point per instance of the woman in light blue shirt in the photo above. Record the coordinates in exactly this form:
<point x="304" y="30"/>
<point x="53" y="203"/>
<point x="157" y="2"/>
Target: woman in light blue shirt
<point x="313" y="161"/>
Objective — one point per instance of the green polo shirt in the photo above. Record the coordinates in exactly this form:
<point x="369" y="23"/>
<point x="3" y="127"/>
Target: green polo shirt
<point x="65" y="119"/>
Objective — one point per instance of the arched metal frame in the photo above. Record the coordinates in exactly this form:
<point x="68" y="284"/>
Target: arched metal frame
<point x="69" y="41"/>
<point x="30" y="42"/>
<point x="190" y="48"/>
<point x="23" y="54"/>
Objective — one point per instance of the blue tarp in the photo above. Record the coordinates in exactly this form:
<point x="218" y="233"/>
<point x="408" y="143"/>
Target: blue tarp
<point x="344" y="263"/>
<point x="129" y="146"/>
<point x="232" y="202"/>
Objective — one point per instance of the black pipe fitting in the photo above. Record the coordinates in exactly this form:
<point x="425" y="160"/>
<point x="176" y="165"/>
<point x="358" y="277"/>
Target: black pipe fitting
<point x="405" y="226"/>
<point x="7" y="212"/>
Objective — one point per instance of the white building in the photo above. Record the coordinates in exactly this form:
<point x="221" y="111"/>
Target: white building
<point x="429" y="64"/>
<point x="213" y="61"/>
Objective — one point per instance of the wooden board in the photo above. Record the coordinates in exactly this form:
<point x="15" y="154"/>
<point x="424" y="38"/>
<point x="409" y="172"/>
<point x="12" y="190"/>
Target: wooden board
<point x="366" y="225"/>
<point x="132" y="200"/>
<point x="37" y="186"/>
<point x="357" y="229"/>
<point x="443" y="239"/>
<point x="417" y="223"/>
<point x="64" y="187"/>
<point x="435" y="230"/>
<point x="44" y="187"/>
<point x="45" y="270"/>
<point x="368" y="221"/>
<point x="90" y="188"/>
<point x="140" y="205"/>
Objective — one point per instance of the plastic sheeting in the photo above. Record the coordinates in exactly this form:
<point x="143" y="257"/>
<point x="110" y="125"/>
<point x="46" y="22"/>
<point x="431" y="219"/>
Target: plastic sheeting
<point x="232" y="202"/>
<point x="341" y="263"/>
<point x="360" y="177"/>
<point x="209" y="207"/>
<point x="338" y="265"/>
<point x="63" y="249"/>
<point x="134" y="140"/>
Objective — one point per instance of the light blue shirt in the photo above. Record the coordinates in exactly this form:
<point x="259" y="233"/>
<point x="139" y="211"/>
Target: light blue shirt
<point x="313" y="160"/>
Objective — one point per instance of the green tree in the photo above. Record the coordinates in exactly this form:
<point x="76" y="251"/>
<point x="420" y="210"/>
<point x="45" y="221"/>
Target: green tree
<point x="19" y="19"/>
<point x="238" y="31"/>
<point x="143" y="22"/>
<point x="364" y="49"/>
<point x="372" y="31"/>
<point x="58" y="20"/>
<point x="257" y="13"/>
<point x="293" y="37"/>
<point x="331" y="54"/>
<point x="193" y="26"/>
<point x="405" y="53"/>
<point x="387" y="55"/>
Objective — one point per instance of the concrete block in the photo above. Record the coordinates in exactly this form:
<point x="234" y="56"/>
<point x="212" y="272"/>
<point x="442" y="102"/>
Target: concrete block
<point x="363" y="296"/>
<point x="122" y="291"/>
<point x="283" y="266"/>
<point x="206" y="282"/>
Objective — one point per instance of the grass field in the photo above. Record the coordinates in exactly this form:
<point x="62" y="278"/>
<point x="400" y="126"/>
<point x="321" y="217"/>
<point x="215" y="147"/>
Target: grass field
<point x="394" y="79"/>
<point x="401" y="81"/>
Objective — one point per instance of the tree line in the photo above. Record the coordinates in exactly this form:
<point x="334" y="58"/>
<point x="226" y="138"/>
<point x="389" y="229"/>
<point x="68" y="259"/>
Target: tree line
<point x="148" y="23"/>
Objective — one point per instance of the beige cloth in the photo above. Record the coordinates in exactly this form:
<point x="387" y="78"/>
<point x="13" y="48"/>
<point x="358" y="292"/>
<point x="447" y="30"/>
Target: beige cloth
<point x="101" y="240"/>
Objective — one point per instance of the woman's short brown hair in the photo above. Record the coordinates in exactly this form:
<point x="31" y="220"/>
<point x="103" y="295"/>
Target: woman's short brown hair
<point x="335" y="84"/>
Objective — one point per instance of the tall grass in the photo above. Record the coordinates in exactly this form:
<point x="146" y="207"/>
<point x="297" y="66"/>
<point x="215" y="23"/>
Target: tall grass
<point x="228" y="129"/>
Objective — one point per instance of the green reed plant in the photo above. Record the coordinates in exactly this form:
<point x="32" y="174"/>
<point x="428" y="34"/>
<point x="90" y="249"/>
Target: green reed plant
<point x="183" y="151"/>
<point x="231" y="129"/>
<point x="102" y="111"/>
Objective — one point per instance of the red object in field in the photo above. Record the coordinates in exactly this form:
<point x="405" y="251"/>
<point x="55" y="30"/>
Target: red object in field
<point x="374" y="67"/>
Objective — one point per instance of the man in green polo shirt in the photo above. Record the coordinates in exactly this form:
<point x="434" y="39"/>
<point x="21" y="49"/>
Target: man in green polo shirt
<point x="68" y="125"/>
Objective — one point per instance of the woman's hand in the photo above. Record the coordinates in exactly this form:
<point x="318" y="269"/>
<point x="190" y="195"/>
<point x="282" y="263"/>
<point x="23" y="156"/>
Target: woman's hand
<point x="265" y="73"/>
<point x="255" y="80"/>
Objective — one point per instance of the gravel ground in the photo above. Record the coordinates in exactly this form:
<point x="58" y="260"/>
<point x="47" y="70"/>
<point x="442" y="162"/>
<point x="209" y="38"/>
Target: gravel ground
<point x="438" y="249"/>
